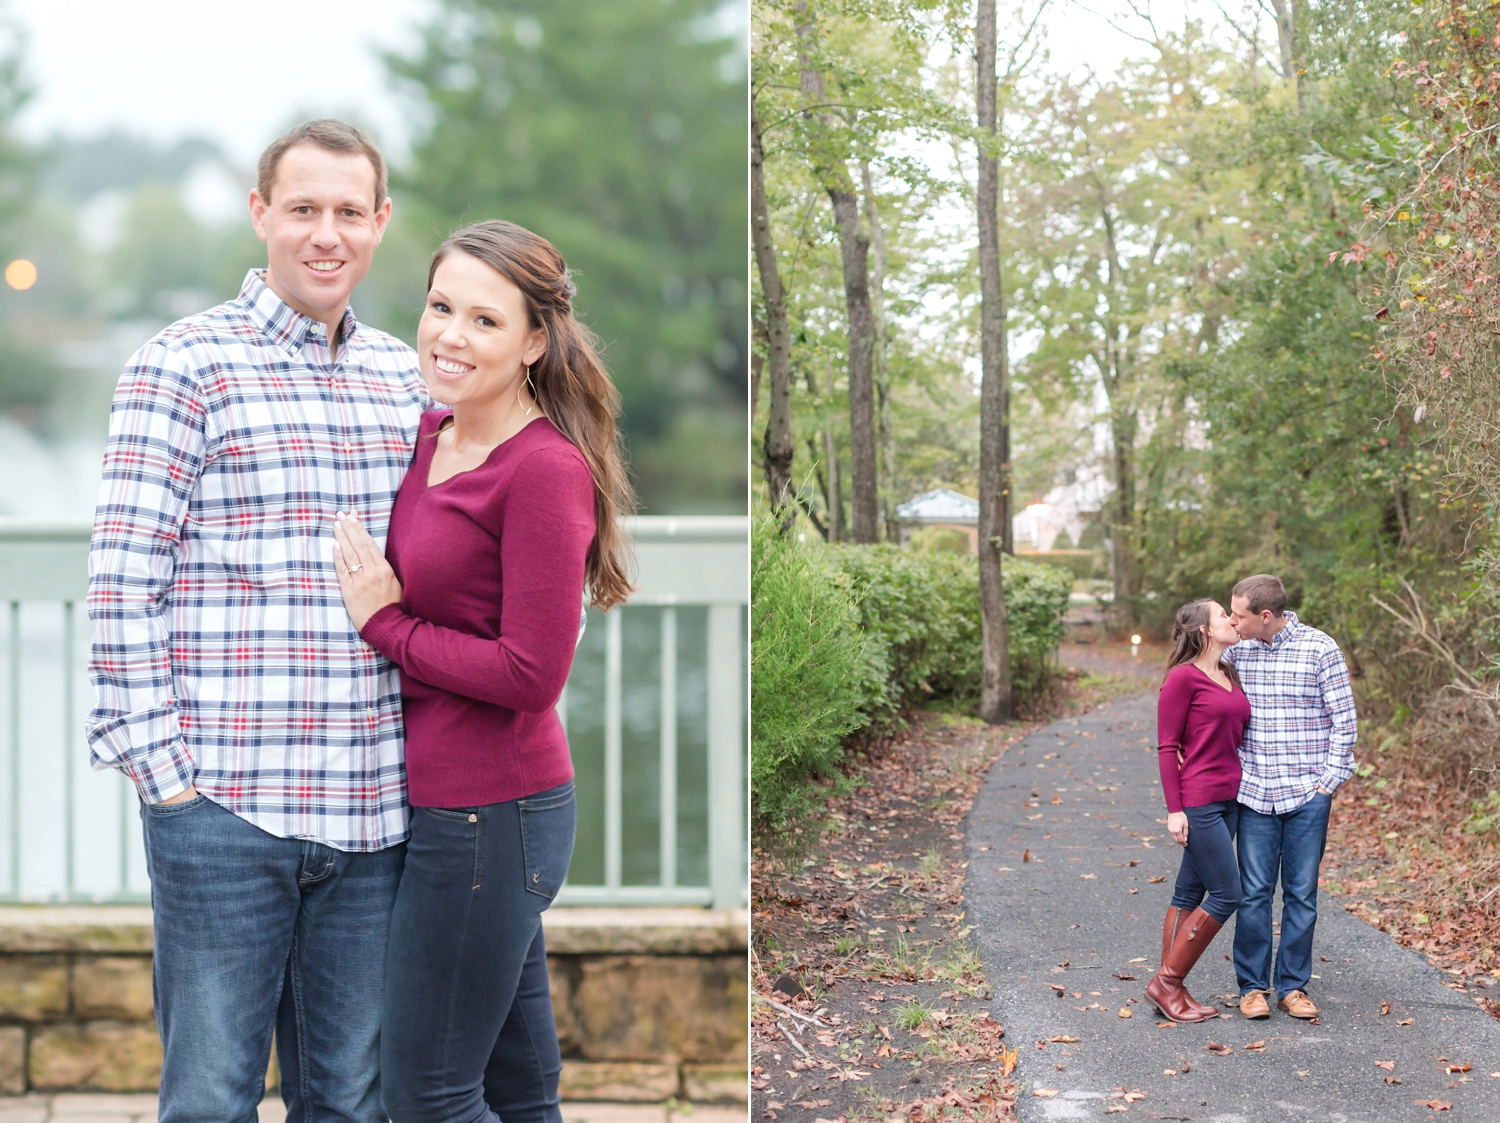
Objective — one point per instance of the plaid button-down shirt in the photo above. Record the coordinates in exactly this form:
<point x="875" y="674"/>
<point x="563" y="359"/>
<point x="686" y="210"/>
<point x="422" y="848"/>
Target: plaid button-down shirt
<point x="223" y="656"/>
<point x="1302" y="723"/>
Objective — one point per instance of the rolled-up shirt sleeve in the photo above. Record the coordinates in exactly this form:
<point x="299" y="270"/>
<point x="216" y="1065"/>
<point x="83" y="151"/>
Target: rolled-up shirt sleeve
<point x="1338" y="702"/>
<point x="152" y="461"/>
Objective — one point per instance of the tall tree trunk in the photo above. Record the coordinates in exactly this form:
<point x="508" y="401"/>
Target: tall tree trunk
<point x="1289" y="43"/>
<point x="882" y="356"/>
<point x="1122" y="427"/>
<point x="778" y="440"/>
<point x="995" y="692"/>
<point x="832" y="493"/>
<point x="854" y="245"/>
<point x="828" y="164"/>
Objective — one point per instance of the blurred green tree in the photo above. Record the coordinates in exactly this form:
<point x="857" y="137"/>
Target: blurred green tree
<point x="619" y="132"/>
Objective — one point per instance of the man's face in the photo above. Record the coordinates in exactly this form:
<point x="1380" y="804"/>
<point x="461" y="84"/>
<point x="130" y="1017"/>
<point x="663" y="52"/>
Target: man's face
<point x="1250" y="625"/>
<point x="320" y="226"/>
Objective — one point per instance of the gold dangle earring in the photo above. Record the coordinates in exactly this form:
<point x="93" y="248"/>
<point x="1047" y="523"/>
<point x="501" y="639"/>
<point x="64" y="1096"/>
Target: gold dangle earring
<point x="530" y="387"/>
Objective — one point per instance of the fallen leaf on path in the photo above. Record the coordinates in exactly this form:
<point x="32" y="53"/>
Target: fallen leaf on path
<point x="1166" y="1025"/>
<point x="1065" y="963"/>
<point x="1217" y="1050"/>
<point x="1134" y="1094"/>
<point x="1026" y="855"/>
<point x="1169" y="1072"/>
<point x="1056" y="799"/>
<point x="1063" y="1039"/>
<point x="1406" y="1022"/>
<point x="1257" y="1046"/>
<point x="1124" y="1011"/>
<point x="1393" y="1079"/>
<point x="813" y="1105"/>
<point x="772" y="1105"/>
<point x="1061" y="990"/>
<point x="1088" y="876"/>
<point x="1043" y="1093"/>
<point x="1115" y="1109"/>
<point x="1132" y="890"/>
<point x="1436" y="1105"/>
<point x="1465" y="1067"/>
<point x="1389" y="1066"/>
<point x="1008" y="1059"/>
<point x="1385" y="1008"/>
<point x="1126" y="978"/>
<point x="1157" y="880"/>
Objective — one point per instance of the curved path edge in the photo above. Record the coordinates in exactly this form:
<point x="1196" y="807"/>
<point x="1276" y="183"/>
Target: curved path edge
<point x="1080" y="799"/>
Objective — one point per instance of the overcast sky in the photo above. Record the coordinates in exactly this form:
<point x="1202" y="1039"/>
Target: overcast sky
<point x="237" y="72"/>
<point x="242" y="72"/>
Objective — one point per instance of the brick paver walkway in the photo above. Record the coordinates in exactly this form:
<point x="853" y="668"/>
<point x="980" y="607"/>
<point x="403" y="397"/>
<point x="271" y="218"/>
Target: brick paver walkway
<point x="79" y="1108"/>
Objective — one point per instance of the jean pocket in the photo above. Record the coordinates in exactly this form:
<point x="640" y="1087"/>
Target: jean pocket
<point x="548" y="822"/>
<point x="164" y="810"/>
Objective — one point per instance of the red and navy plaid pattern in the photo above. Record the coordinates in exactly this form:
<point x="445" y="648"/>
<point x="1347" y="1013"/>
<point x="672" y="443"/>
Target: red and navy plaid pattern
<point x="1302" y="723"/>
<point x="223" y="656"/>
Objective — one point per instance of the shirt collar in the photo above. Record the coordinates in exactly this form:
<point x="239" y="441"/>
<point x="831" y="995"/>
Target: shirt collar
<point x="1288" y="631"/>
<point x="283" y="324"/>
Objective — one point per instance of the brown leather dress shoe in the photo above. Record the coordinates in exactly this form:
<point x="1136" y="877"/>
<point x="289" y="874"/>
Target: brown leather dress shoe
<point x="1297" y="1004"/>
<point x="1253" y="1004"/>
<point x="1165" y="990"/>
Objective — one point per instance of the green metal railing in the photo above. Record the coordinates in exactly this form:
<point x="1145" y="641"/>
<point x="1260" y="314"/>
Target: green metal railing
<point x="655" y="709"/>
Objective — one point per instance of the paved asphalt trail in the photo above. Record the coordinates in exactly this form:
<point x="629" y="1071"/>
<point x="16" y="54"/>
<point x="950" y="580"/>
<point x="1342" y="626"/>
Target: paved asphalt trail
<point x="1073" y="901"/>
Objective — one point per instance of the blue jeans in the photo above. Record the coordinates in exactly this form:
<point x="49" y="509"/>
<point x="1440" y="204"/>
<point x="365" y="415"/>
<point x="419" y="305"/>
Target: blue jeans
<point x="1289" y="845"/>
<point x="1209" y="874"/>
<point x="468" y="1032"/>
<point x="255" y="933"/>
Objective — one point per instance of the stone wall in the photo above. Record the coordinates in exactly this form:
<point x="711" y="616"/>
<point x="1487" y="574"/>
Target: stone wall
<point x="650" y="1003"/>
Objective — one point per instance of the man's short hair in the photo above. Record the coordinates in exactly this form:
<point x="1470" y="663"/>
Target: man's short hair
<point x="1263" y="591"/>
<point x="327" y="134"/>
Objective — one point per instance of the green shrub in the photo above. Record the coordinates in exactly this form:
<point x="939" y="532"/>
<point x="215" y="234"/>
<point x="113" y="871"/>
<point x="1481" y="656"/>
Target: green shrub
<point x="923" y="608"/>
<point x="1082" y="564"/>
<point x="844" y="638"/>
<point x="814" y="679"/>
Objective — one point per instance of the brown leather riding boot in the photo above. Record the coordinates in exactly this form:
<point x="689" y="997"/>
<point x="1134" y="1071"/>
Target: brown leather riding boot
<point x="1169" y="926"/>
<point x="1166" y="988"/>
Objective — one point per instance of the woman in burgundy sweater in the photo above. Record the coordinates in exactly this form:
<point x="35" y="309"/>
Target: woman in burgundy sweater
<point x="1201" y="716"/>
<point x="508" y="514"/>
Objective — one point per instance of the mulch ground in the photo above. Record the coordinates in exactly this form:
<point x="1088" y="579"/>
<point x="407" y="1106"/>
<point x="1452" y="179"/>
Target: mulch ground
<point x="1401" y="857"/>
<point x="869" y="1001"/>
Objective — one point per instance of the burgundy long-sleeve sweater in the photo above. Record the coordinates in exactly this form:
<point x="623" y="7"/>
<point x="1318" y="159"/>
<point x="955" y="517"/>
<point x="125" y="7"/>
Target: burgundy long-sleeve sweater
<point x="1198" y="716"/>
<point x="491" y="563"/>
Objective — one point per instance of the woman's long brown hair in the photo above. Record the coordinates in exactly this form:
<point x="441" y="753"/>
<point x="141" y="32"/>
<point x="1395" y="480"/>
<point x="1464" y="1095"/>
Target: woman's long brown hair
<point x="569" y="382"/>
<point x="1190" y="637"/>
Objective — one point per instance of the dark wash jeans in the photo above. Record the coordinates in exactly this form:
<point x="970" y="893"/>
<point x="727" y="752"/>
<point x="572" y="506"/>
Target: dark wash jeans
<point x="1209" y="874"/>
<point x="255" y="933"/>
<point x="1291" y="845"/>
<point x="468" y="1032"/>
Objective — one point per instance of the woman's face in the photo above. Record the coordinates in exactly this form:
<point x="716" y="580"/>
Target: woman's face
<point x="474" y="341"/>
<point x="1220" y="628"/>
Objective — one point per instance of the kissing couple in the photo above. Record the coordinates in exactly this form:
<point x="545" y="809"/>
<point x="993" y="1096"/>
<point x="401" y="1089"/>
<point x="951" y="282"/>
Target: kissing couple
<point x="336" y="588"/>
<point x="1255" y="732"/>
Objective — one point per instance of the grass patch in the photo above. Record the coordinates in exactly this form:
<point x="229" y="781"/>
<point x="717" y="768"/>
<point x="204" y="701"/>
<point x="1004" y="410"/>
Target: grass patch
<point x="913" y="1016"/>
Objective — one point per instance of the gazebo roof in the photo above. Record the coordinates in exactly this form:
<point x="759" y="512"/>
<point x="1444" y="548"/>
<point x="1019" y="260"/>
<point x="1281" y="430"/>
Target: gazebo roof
<point x="942" y="505"/>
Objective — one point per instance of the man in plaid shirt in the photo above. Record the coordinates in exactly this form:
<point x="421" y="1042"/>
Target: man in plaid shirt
<point x="263" y="735"/>
<point x="1297" y="750"/>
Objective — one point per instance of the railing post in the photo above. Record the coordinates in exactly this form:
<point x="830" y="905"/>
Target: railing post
<point x="69" y="858"/>
<point x="726" y="713"/>
<point x="15" y="748"/>
<point x="668" y="801"/>
<point x="613" y="786"/>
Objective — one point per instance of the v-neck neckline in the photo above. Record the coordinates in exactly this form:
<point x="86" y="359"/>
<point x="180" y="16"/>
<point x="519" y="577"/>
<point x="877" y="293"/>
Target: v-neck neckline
<point x="428" y="485"/>
<point x="1226" y="689"/>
